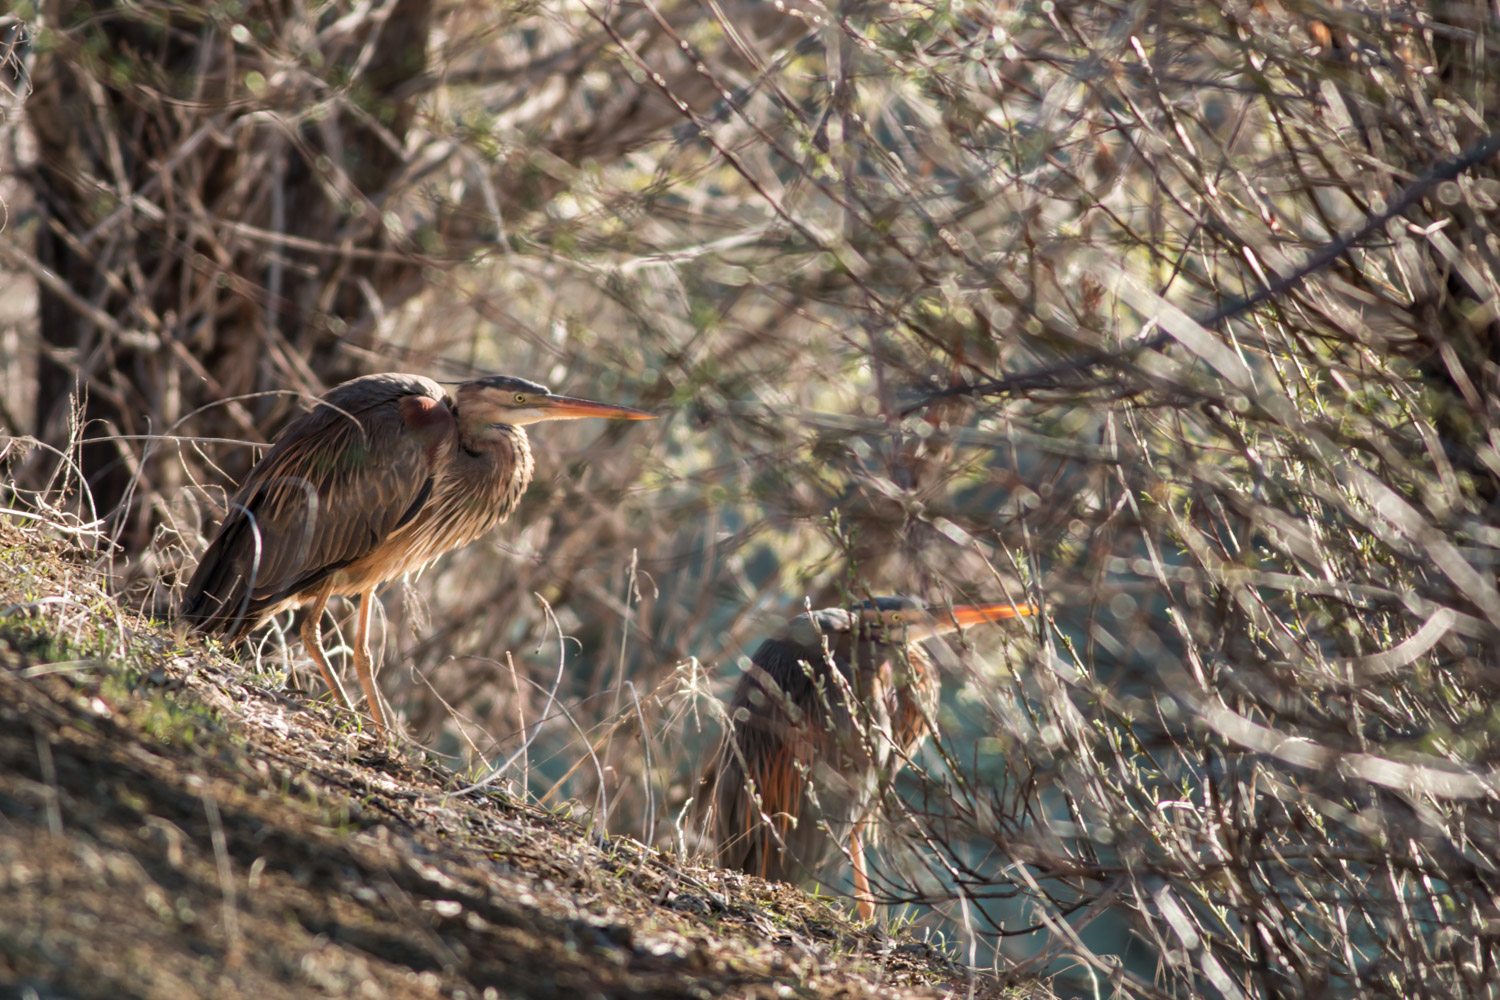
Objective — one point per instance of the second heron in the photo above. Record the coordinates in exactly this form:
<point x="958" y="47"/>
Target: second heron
<point x="828" y="708"/>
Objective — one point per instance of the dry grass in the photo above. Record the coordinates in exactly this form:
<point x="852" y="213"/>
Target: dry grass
<point x="175" y="828"/>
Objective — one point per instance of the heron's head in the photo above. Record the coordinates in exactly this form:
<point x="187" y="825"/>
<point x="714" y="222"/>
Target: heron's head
<point x="896" y="620"/>
<point x="505" y="399"/>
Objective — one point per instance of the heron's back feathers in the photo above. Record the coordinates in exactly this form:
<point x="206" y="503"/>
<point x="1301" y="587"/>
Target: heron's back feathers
<point x="794" y="767"/>
<point x="339" y="481"/>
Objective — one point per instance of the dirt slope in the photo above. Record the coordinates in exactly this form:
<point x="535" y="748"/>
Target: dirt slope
<point x="170" y="829"/>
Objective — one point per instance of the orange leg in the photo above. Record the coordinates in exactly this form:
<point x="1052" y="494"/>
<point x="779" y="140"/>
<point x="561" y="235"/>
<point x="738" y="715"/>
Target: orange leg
<point x="362" y="660"/>
<point x="312" y="641"/>
<point x="863" y="901"/>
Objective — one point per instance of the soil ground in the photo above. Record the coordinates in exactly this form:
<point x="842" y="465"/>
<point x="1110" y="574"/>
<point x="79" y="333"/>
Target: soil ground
<point x="170" y="828"/>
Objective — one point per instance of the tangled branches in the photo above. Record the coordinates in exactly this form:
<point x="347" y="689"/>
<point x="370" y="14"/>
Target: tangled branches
<point x="1179" y="318"/>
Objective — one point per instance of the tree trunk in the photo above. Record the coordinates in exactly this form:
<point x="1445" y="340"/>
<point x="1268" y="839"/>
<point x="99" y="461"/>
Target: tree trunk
<point x="206" y="249"/>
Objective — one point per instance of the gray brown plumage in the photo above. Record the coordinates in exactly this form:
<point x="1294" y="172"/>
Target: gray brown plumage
<point x="825" y="709"/>
<point x="382" y="476"/>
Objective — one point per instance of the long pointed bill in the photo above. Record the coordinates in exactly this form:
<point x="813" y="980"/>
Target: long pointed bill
<point x="977" y="614"/>
<point x="938" y="621"/>
<point x="570" y="408"/>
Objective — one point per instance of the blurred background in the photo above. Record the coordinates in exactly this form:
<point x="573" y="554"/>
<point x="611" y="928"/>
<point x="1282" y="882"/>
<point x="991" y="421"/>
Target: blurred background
<point x="1179" y="319"/>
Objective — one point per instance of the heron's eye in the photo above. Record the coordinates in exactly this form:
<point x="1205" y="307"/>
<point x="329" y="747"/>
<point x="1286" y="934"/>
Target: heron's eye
<point x="520" y="397"/>
<point x="896" y="617"/>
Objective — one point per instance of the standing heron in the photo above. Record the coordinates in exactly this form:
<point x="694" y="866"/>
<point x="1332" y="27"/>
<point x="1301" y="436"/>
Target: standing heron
<point x="827" y="707"/>
<point x="382" y="476"/>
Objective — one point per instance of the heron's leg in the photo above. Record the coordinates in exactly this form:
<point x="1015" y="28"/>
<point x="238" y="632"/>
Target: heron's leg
<point x="312" y="641"/>
<point x="767" y="845"/>
<point x="362" y="659"/>
<point x="863" y="901"/>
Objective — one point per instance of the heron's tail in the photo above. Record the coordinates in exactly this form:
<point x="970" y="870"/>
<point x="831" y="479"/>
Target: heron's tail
<point x="218" y="600"/>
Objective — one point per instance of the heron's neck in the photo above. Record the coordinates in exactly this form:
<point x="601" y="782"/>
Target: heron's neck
<point x="493" y="468"/>
<point x="503" y="443"/>
<point x="477" y="436"/>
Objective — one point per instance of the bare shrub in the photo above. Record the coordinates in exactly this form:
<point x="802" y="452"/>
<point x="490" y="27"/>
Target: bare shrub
<point x="1177" y="318"/>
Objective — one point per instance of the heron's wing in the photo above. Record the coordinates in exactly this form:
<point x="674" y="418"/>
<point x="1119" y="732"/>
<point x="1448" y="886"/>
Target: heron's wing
<point x="779" y="736"/>
<point x="338" y="482"/>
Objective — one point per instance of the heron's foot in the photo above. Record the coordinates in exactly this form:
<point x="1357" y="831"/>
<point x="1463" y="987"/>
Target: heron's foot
<point x="379" y="733"/>
<point x="325" y="697"/>
<point x="866" y="915"/>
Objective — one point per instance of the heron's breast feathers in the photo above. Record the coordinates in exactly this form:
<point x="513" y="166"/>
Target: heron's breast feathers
<point x="470" y="494"/>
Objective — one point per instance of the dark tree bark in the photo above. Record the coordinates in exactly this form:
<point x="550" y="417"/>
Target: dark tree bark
<point x="217" y="189"/>
<point x="146" y="138"/>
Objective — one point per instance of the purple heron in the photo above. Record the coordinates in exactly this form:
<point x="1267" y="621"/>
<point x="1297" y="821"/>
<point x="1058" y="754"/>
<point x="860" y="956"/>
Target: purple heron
<point x="800" y="771"/>
<point x="382" y="476"/>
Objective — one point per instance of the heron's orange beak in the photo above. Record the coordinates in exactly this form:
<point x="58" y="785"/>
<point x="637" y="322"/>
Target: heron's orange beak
<point x="978" y="614"/>
<point x="570" y="407"/>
